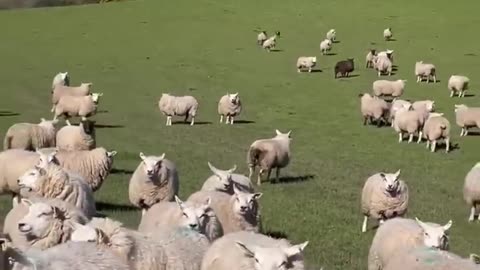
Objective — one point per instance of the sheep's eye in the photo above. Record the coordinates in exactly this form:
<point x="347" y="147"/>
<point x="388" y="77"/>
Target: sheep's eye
<point x="283" y="264"/>
<point x="185" y="215"/>
<point x="426" y="234"/>
<point x="256" y="260"/>
<point x="91" y="240"/>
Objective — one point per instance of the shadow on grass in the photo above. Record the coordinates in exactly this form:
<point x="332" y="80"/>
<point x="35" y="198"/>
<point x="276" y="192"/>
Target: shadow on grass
<point x="188" y="123"/>
<point x="330" y="54"/>
<point x="336" y="41"/>
<point x="120" y="171"/>
<point x="473" y="133"/>
<point x="469" y="95"/>
<point x="390" y="39"/>
<point x="276" y="234"/>
<point x="104" y="206"/>
<point x="349" y="76"/>
<point x="108" y="126"/>
<point x="294" y="179"/>
<point x="243" y="122"/>
<point x="8" y="113"/>
<point x="102" y="111"/>
<point x="276" y="50"/>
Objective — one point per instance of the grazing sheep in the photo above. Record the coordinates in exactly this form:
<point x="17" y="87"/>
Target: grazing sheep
<point x="369" y="58"/>
<point x="229" y="106"/>
<point x="325" y="46"/>
<point x="388" y="88"/>
<point x="247" y="250"/>
<point x="397" y="104"/>
<point x="306" y="62"/>
<point x="238" y="212"/>
<point x="269" y="154"/>
<point x="401" y="234"/>
<point x="29" y="136"/>
<point x="77" y="138"/>
<point x="383" y="65"/>
<point x="471" y="190"/>
<point x="261" y="37"/>
<point x="387" y="34"/>
<point x="384" y="196"/>
<point x="410" y="122"/>
<point x="458" y="83"/>
<point x="373" y="109"/>
<point x="467" y="117"/>
<point x="167" y="216"/>
<point x="431" y="259"/>
<point x="84" y="106"/>
<point x="62" y="79"/>
<point x="344" y="67"/>
<point x="13" y="164"/>
<point x="423" y="70"/>
<point x="178" y="105"/>
<point x="225" y="180"/>
<point x="271" y="42"/>
<point x="428" y="105"/>
<point x="155" y="180"/>
<point x="63" y="90"/>
<point x="331" y="35"/>
<point x="437" y="127"/>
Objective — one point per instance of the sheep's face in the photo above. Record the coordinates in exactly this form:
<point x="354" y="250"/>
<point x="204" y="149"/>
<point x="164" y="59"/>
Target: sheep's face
<point x="272" y="258"/>
<point x="44" y="160"/>
<point x="245" y="202"/>
<point x="96" y="97"/>
<point x="83" y="233"/>
<point x="435" y="236"/>
<point x="314" y="59"/>
<point x="430" y="105"/>
<point x="30" y="179"/>
<point x="234" y="98"/>
<point x="194" y="217"/>
<point x="283" y="135"/>
<point x="39" y="219"/>
<point x="224" y="178"/>
<point x="151" y="164"/>
<point x="391" y="181"/>
<point x="110" y="156"/>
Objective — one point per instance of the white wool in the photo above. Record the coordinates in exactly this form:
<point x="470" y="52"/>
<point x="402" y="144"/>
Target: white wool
<point x="387" y="33"/>
<point x="30" y="136"/>
<point x="458" y="83"/>
<point x="425" y="70"/>
<point x="229" y="106"/>
<point x="82" y="106"/>
<point x="61" y="78"/>
<point x="388" y="88"/>
<point x="467" y="117"/>
<point x="77" y="138"/>
<point x="331" y="35"/>
<point x="325" y="46"/>
<point x="13" y="164"/>
<point x="308" y="62"/>
<point x="373" y="108"/>
<point x="171" y="105"/>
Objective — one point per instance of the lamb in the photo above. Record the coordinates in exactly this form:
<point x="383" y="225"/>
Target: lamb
<point x="30" y="136"/>
<point x="384" y="196"/>
<point x="77" y="138"/>
<point x="428" y="105"/>
<point x="261" y="37"/>
<point x="62" y="78"/>
<point x="247" y="250"/>
<point x="458" y="83"/>
<point x="84" y="106"/>
<point x="306" y="62"/>
<point x="471" y="190"/>
<point x="269" y="154"/>
<point x="167" y="216"/>
<point x="401" y="234"/>
<point x="325" y="46"/>
<point x="13" y="164"/>
<point x="155" y="180"/>
<point x="331" y="35"/>
<point x="178" y="105"/>
<point x="229" y="106"/>
<point x="387" y="34"/>
<point x="344" y="67"/>
<point x="437" y="127"/>
<point x="467" y="117"/>
<point x="60" y="91"/>
<point x="388" y="88"/>
<point x="225" y="180"/>
<point x="373" y="109"/>
<point x="383" y="65"/>
<point x="271" y="42"/>
<point x="431" y="259"/>
<point x="423" y="70"/>
<point x="398" y="104"/>
<point x="369" y="58"/>
<point x="238" y="212"/>
<point x="410" y="122"/>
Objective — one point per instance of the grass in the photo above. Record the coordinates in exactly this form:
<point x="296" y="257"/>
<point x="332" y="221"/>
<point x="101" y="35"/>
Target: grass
<point x="135" y="50"/>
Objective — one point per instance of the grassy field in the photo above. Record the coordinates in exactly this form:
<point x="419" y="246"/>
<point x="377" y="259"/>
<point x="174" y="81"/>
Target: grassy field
<point x="133" y="51"/>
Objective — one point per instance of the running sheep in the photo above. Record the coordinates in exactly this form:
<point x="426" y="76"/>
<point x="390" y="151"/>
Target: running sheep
<point x="60" y="91"/>
<point x="229" y="106"/>
<point x="410" y="122"/>
<point x="387" y="34"/>
<point x="71" y="106"/>
<point x="388" y="88"/>
<point x="425" y="70"/>
<point x="178" y="105"/>
<point x="370" y="57"/>
<point x="225" y="180"/>
<point x="467" y="117"/>
<point x="261" y="37"/>
<point x="271" y="42"/>
<point x="471" y="191"/>
<point x="436" y="128"/>
<point x="373" y="109"/>
<point x="77" y="138"/>
<point x="458" y="83"/>
<point x="325" y="46"/>
<point x="331" y="35"/>
<point x="308" y="62"/>
<point x="62" y="79"/>
<point x="30" y="136"/>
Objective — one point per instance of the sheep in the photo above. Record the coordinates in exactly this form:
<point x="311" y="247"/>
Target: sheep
<point x="397" y="104"/>
<point x="388" y="88"/>
<point x="247" y="250"/>
<point x="77" y="138"/>
<point x="60" y="91"/>
<point x="369" y="58"/>
<point x="331" y="35"/>
<point x="373" y="109"/>
<point x="467" y="117"/>
<point x="178" y="105"/>
<point x="410" y="122"/>
<point x="93" y="165"/>
<point x="387" y="34"/>
<point x="261" y="37"/>
<point x="458" y="83"/>
<point x="84" y="106"/>
<point x="437" y="127"/>
<point x="471" y="190"/>
<point x="388" y="54"/>
<point x="401" y="234"/>
<point x="225" y="180"/>
<point x="431" y="259"/>
<point x="271" y="42"/>
<point x="344" y="67"/>
<point x="155" y="180"/>
<point x="269" y="154"/>
<point x="383" y="65"/>
<point x="423" y="70"/>
<point x="306" y="62"/>
<point x="167" y="216"/>
<point x="238" y="212"/>
<point x="325" y="46"/>
<point x="62" y="78"/>
<point x="428" y="105"/>
<point x="384" y="196"/>
<point x="30" y="136"/>
<point x="229" y="106"/>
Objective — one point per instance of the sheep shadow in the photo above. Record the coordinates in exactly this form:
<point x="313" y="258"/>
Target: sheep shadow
<point x="330" y="54"/>
<point x="431" y="81"/>
<point x="102" y="111"/>
<point x="316" y="70"/>
<point x="104" y="206"/>
<point x="8" y="113"/>
<point x="276" y="50"/>
<point x="469" y="95"/>
<point x="120" y="171"/>
<point x="108" y="126"/>
<point x="179" y="122"/>
<point x="390" y="39"/>
<point x="473" y="133"/>
<point x="349" y="76"/>
<point x="294" y="179"/>
<point x="243" y="122"/>
<point x="470" y="54"/>
<point x="276" y="234"/>
<point x="336" y="41"/>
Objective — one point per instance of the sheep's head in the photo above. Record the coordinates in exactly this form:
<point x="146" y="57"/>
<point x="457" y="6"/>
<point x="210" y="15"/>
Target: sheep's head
<point x="373" y="51"/>
<point x="234" y="98"/>
<point x="96" y="97"/>
<point x="314" y="59"/>
<point x="51" y="124"/>
<point x="283" y="135"/>
<point x="45" y="159"/>
<point x="273" y="258"/>
<point x="224" y="178"/>
<point x="391" y="181"/>
<point x="245" y="202"/>
<point x="30" y="180"/>
<point x="277" y="33"/>
<point x="430" y="104"/>
<point x="111" y="154"/>
<point x="83" y="233"/>
<point x="460" y="107"/>
<point x="194" y="217"/>
<point x="39" y="219"/>
<point x="151" y="164"/>
<point x="435" y="236"/>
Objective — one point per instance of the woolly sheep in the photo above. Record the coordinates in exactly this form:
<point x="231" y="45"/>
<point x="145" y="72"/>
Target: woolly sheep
<point x="331" y="35"/>
<point x="388" y="88"/>
<point x="471" y="190"/>
<point x="397" y="104"/>
<point x="167" y="216"/>
<point x="13" y="164"/>
<point x="325" y="46"/>
<point x="410" y="122"/>
<point x="384" y="196"/>
<point x="60" y="91"/>
<point x="261" y="37"/>
<point x="224" y="180"/>
<point x="77" y="138"/>
<point x="387" y="34"/>
<point x="229" y="106"/>
<point x="383" y="65"/>
<point x="62" y="78"/>
<point x="155" y="180"/>
<point x="369" y="58"/>
<point x="437" y="127"/>
<point x="458" y="83"/>
<point x="401" y="234"/>
<point x="306" y="62"/>
<point x="30" y="136"/>
<point x="467" y="117"/>
<point x="271" y="42"/>
<point x="253" y="251"/>
<point x="269" y="154"/>
<point x="428" y="105"/>
<point x="423" y="70"/>
<point x="431" y="259"/>
<point x="373" y="109"/>
<point x="178" y="105"/>
<point x="238" y="212"/>
<point x="84" y="106"/>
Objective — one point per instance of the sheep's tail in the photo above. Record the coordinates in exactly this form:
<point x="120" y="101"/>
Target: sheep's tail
<point x="253" y="156"/>
<point x="7" y="142"/>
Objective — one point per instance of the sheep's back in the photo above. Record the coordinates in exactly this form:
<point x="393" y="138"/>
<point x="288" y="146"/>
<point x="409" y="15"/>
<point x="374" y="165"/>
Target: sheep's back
<point x="423" y="258"/>
<point x="13" y="164"/>
<point x="471" y="189"/>
<point x="162" y="216"/>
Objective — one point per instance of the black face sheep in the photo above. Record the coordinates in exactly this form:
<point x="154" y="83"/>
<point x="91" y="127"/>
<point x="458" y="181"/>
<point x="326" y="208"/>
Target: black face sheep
<point x="344" y="67"/>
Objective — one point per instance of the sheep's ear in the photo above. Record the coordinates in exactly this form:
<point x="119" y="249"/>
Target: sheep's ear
<point x="447" y="226"/>
<point x="236" y="191"/>
<point x="289" y="133"/>
<point x="397" y="174"/>
<point x="51" y="156"/>
<point x="111" y="154"/>
<point x="100" y="94"/>
<point x="296" y="250"/>
<point x="42" y="119"/>
<point x="142" y="156"/>
<point x="231" y="170"/>
<point x="474" y="258"/>
<point x="278" y="132"/>
<point x="26" y="202"/>
<point x="162" y="157"/>
<point x="420" y="223"/>
<point x="55" y="121"/>
<point x="248" y="251"/>
<point x="212" y="168"/>
<point x="179" y="202"/>
<point x="59" y="213"/>
<point x="382" y="175"/>
<point x="257" y="195"/>
<point x="235" y="95"/>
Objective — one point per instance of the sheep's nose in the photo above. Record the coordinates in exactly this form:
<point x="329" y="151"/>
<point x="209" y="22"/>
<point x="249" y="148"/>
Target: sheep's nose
<point x="193" y="226"/>
<point x="243" y="208"/>
<point x="21" y="225"/>
<point x="18" y="181"/>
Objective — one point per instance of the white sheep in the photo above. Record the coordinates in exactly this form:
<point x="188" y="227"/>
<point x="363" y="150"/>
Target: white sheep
<point x="71" y="106"/>
<point x="76" y="138"/>
<point x="388" y="88"/>
<point x="431" y="259"/>
<point x="224" y="180"/>
<point x="423" y="70"/>
<point x="306" y="62"/>
<point x="331" y="35"/>
<point x="269" y="154"/>
<point x="437" y="127"/>
<point x="30" y="136"/>
<point x="247" y="251"/>
<point x="155" y="180"/>
<point x="383" y="65"/>
<point x="467" y="117"/>
<point x="397" y="104"/>
<point x="428" y="105"/>
<point x="238" y="212"/>
<point x="63" y="90"/>
<point x="471" y="190"/>
<point x="387" y="34"/>
<point x="373" y="109"/>
<point x="325" y="46"/>
<point x="261" y="37"/>
<point x="384" y="196"/>
<point x="401" y="234"/>
<point x="388" y="53"/>
<point x="61" y="78"/>
<point x="271" y="42"/>
<point x="458" y="83"/>
<point x="178" y="105"/>
<point x="410" y="122"/>
<point x="372" y="53"/>
<point x="229" y="106"/>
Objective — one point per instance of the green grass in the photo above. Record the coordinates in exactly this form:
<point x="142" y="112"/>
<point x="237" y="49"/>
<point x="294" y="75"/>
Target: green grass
<point x="133" y="51"/>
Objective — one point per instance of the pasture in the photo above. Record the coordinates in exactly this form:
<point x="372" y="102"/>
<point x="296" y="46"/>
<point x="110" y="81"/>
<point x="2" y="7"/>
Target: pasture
<point x="133" y="51"/>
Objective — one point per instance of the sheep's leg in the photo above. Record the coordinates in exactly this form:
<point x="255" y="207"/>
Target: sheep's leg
<point x="461" y="132"/>
<point x="186" y="118"/>
<point x="68" y="122"/>
<point x="168" y="118"/>
<point x="310" y="70"/>
<point x="221" y="118"/>
<point x="451" y="93"/>
<point x="410" y="138"/>
<point x="466" y="131"/>
<point x="463" y="93"/>
<point x="231" y="120"/>
<point x="434" y="145"/>
<point x="365" y="118"/>
<point x="259" y="178"/>
<point x="143" y="211"/>
<point x="428" y="144"/>
<point x="277" y="175"/>
<point x="269" y="172"/>
<point x="53" y="108"/>
<point x="364" y="226"/>
<point x="472" y="214"/>
<point x="400" y="137"/>
<point x="420" y="134"/>
<point x="419" y="79"/>
<point x="428" y="79"/>
<point x="193" y="121"/>
<point x="251" y="171"/>
<point x="447" y="145"/>
<point x="435" y="78"/>
<point x="84" y="118"/>
<point x="298" y="70"/>
<point x="379" y="73"/>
